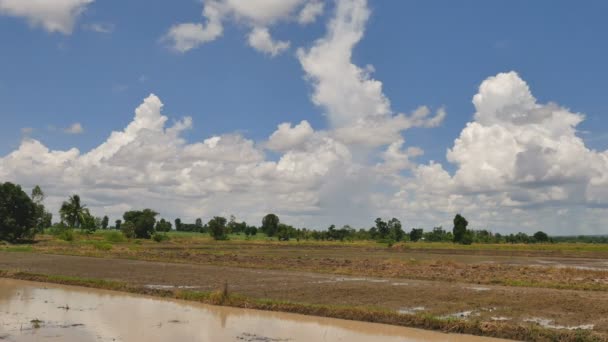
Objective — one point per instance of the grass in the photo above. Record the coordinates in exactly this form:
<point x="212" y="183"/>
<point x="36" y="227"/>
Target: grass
<point x="525" y="332"/>
<point x="20" y="249"/>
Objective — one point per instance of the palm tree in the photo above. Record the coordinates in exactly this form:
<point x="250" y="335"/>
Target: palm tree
<point x="73" y="212"/>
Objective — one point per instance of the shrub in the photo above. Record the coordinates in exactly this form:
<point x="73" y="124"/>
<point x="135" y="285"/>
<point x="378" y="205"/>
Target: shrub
<point x="104" y="246"/>
<point x="160" y="237"/>
<point x="128" y="229"/>
<point x="66" y="235"/>
<point x="114" y="237"/>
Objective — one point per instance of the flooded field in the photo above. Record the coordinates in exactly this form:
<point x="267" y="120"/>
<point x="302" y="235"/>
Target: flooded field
<point x="44" y="312"/>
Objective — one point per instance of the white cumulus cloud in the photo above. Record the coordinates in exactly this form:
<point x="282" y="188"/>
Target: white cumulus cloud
<point x="53" y="16"/>
<point x="257" y="15"/>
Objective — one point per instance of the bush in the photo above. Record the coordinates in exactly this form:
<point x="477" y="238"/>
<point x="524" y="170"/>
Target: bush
<point x="104" y="246"/>
<point x="114" y="237"/>
<point x="66" y="235"/>
<point x="128" y="229"/>
<point x="160" y="237"/>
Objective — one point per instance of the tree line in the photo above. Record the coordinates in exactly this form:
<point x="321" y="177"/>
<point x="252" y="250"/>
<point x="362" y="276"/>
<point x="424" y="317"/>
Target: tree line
<point x="22" y="216"/>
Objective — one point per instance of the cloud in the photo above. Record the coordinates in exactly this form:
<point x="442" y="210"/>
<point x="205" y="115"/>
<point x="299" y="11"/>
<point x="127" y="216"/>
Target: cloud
<point x="517" y="163"/>
<point x="310" y="12"/>
<point x="260" y="39"/>
<point x="75" y="128"/>
<point x="53" y="16"/>
<point x="287" y="138"/>
<point x="187" y="36"/>
<point x="258" y="15"/>
<point x="99" y="27"/>
<point x="353" y="101"/>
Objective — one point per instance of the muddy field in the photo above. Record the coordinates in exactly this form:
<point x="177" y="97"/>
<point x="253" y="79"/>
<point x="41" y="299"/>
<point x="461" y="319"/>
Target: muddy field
<point x="464" y="299"/>
<point x="572" y="268"/>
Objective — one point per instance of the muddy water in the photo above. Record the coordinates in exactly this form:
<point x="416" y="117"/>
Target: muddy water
<point x="44" y="312"/>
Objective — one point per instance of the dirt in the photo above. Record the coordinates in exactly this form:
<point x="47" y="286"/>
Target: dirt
<point x="539" y="271"/>
<point x="567" y="308"/>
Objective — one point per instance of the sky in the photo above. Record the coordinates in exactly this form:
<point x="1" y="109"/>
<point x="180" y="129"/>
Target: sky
<point x="323" y="112"/>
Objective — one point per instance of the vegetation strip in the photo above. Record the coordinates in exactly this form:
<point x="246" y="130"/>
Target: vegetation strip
<point x="222" y="297"/>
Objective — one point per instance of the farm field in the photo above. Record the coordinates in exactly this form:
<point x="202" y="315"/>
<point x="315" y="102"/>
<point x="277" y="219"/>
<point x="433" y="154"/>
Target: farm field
<point x="561" y="288"/>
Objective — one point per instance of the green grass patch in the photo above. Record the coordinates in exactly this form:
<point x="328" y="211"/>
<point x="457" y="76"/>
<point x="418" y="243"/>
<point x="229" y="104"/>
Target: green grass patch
<point x="23" y="249"/>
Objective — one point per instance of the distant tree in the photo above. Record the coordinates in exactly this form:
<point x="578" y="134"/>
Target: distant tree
<point x="43" y="218"/>
<point x="17" y="213"/>
<point x="199" y="224"/>
<point x="437" y="235"/>
<point x="395" y="231"/>
<point x="416" y="234"/>
<point x="382" y="228"/>
<point x="104" y="222"/>
<point x="250" y="231"/>
<point x="178" y="224"/>
<point x="235" y="227"/>
<point x="460" y="228"/>
<point x="73" y="212"/>
<point x="89" y="223"/>
<point x="467" y="238"/>
<point x="117" y="224"/>
<point x="128" y="229"/>
<point x="163" y="226"/>
<point x="143" y="220"/>
<point x="217" y="228"/>
<point x="270" y="224"/>
<point x="541" y="237"/>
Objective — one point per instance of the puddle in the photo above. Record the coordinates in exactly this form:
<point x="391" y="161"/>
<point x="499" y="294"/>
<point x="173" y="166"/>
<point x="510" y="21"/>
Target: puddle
<point x="479" y="288"/>
<point x="345" y="279"/>
<point x="411" y="311"/>
<point x="500" y="318"/>
<point x="123" y="317"/>
<point x="170" y="287"/>
<point x="399" y="284"/>
<point x="461" y="315"/>
<point x="549" y="323"/>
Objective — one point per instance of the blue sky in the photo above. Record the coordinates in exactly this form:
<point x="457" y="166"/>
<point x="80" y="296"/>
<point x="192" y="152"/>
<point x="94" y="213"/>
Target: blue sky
<point x="432" y="53"/>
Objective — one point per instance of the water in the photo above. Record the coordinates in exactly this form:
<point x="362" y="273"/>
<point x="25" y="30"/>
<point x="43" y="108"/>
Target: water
<point x="45" y="312"/>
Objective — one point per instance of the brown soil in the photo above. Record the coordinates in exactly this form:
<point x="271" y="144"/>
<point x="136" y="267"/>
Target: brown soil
<point x="564" y="307"/>
<point x="446" y="265"/>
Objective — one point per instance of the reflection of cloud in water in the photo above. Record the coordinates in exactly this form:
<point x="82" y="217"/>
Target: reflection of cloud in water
<point x="138" y="318"/>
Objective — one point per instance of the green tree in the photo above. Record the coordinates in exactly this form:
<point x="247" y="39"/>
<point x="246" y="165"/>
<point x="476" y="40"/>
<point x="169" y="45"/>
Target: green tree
<point x="143" y="220"/>
<point x="270" y="224"/>
<point x="43" y="218"/>
<point x="199" y="224"/>
<point x="382" y="229"/>
<point x="217" y="228"/>
<point x="541" y="236"/>
<point x="73" y="212"/>
<point x="89" y="223"/>
<point x="163" y="225"/>
<point x="416" y="234"/>
<point x="17" y="213"/>
<point x="395" y="231"/>
<point x="178" y="224"/>
<point x="104" y="222"/>
<point x="128" y="229"/>
<point x="460" y="228"/>
<point x="117" y="224"/>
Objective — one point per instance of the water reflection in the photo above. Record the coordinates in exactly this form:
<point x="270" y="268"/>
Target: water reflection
<point x="75" y="314"/>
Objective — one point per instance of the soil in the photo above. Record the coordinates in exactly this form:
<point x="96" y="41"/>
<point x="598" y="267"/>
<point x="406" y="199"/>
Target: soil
<point x="466" y="299"/>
